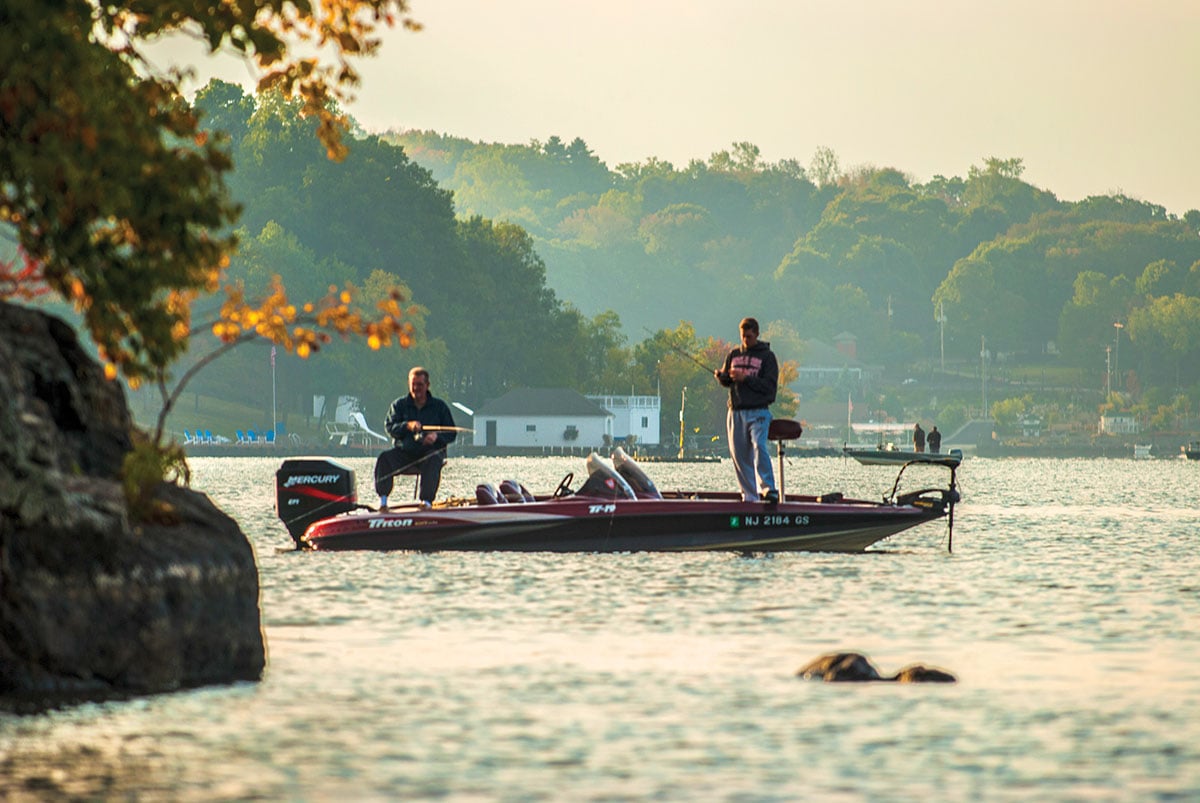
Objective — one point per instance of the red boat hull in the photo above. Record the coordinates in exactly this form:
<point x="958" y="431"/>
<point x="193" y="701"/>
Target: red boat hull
<point x="577" y="524"/>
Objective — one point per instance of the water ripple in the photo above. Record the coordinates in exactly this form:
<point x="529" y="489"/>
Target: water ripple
<point x="1069" y="611"/>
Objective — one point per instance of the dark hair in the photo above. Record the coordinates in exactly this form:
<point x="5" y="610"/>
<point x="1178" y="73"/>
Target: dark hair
<point x="749" y="323"/>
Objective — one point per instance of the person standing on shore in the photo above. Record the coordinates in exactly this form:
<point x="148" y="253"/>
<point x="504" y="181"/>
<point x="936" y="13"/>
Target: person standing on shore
<point x="751" y="373"/>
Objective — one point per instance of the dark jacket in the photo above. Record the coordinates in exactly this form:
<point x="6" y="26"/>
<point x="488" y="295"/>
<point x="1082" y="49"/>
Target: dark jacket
<point x="434" y="413"/>
<point x="934" y="438"/>
<point x="758" y="389"/>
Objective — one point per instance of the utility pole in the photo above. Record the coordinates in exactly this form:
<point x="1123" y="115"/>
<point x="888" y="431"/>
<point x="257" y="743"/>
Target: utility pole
<point x="941" y="321"/>
<point x="682" y="404"/>
<point x="983" y="370"/>
<point x="1117" y="355"/>
<point x="1107" y="372"/>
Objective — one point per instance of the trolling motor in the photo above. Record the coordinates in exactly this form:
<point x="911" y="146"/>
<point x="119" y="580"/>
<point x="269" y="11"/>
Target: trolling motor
<point x="308" y="489"/>
<point x="949" y="497"/>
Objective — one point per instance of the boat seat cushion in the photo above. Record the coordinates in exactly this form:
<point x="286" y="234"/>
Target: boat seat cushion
<point x="513" y="491"/>
<point x="486" y="494"/>
<point x="784" y="429"/>
<point x="605" y="483"/>
<point x="641" y="484"/>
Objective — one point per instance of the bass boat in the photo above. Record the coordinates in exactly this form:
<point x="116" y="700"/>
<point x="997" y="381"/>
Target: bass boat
<point x="617" y="508"/>
<point x="885" y="456"/>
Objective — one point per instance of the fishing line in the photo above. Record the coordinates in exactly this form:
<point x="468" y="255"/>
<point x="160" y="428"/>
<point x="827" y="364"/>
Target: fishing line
<point x="683" y="353"/>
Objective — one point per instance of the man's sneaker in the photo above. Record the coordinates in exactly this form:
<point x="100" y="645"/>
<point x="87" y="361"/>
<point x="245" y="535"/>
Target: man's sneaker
<point x="772" y="498"/>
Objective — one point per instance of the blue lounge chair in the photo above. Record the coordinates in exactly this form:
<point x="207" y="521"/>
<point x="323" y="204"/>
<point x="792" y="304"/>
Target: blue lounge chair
<point x="251" y="436"/>
<point x="270" y="436"/>
<point x="187" y="437"/>
<point x="241" y="437"/>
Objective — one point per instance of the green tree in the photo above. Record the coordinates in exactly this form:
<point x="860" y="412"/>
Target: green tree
<point x="1085" y="327"/>
<point x="824" y="167"/>
<point x="1161" y="277"/>
<point x="677" y="232"/>
<point x="1008" y="412"/>
<point x="118" y="196"/>
<point x="1174" y="323"/>
<point x="115" y="190"/>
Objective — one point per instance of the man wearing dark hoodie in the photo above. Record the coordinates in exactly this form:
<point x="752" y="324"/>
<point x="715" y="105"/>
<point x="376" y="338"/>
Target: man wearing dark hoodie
<point x="752" y="375"/>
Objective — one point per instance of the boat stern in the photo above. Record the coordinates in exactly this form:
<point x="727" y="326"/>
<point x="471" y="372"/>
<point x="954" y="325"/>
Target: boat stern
<point x="308" y="489"/>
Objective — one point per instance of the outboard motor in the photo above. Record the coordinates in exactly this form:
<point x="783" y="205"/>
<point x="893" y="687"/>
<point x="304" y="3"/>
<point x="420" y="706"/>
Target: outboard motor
<point x="308" y="489"/>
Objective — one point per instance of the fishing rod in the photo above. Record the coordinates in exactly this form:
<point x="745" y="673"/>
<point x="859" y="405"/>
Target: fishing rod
<point x="683" y="353"/>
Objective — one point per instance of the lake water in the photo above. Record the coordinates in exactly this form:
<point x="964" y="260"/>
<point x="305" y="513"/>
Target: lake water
<point x="1069" y="610"/>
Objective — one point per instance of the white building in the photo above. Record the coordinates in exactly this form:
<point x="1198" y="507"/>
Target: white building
<point x="822" y="364"/>
<point x="546" y="417"/>
<point x="1118" y="424"/>
<point x="633" y="415"/>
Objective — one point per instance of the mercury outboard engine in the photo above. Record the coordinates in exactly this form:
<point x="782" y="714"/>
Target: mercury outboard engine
<point x="308" y="489"/>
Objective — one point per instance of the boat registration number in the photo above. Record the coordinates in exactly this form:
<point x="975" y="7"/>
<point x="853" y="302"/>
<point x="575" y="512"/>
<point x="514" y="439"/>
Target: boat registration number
<point x="772" y="520"/>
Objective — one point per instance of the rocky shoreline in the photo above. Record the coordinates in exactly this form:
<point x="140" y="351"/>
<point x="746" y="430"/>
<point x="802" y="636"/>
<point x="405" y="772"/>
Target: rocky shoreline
<point x="93" y="604"/>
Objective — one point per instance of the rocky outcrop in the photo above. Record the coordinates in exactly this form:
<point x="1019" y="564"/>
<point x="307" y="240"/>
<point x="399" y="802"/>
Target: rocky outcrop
<point x="844" y="667"/>
<point x="90" y="602"/>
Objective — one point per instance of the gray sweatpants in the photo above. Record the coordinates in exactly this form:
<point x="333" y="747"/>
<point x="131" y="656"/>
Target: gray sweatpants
<point x="751" y="451"/>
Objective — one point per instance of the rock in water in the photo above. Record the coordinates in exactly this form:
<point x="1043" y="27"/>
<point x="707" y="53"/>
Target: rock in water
<point x="838" y="667"/>
<point x="841" y="667"/>
<point x="919" y="673"/>
<point x="92" y="604"/>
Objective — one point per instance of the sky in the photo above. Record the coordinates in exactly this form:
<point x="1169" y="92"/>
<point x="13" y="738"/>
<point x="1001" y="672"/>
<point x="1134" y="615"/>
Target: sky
<point x="1095" y="96"/>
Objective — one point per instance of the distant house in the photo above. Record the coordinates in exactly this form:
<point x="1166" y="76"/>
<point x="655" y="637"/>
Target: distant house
<point x="546" y="417"/>
<point x="822" y="365"/>
<point x="1118" y="424"/>
<point x="1031" y="426"/>
<point x="633" y="415"/>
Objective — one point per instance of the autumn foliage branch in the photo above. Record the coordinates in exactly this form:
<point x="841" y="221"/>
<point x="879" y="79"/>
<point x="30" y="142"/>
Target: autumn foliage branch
<point x="301" y="330"/>
<point x="117" y="195"/>
<point x="22" y="279"/>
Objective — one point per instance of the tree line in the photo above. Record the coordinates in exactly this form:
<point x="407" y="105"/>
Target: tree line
<point x="538" y="265"/>
<point x="822" y="250"/>
<point x="485" y="318"/>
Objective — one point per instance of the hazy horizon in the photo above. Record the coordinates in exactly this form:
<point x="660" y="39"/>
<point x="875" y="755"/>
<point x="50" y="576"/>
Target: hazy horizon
<point x="1092" y="96"/>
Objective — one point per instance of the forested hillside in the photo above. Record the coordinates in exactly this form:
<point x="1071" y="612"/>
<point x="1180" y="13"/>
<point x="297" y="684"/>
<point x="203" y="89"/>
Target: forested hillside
<point x="485" y="317"/>
<point x="539" y="265"/>
<point x="869" y="250"/>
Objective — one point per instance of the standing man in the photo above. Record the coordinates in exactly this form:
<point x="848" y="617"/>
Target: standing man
<point x="752" y="375"/>
<point x="918" y="437"/>
<point x="935" y="440"/>
<point x="415" y="451"/>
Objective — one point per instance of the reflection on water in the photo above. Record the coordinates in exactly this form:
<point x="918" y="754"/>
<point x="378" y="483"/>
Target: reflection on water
<point x="1069" y="610"/>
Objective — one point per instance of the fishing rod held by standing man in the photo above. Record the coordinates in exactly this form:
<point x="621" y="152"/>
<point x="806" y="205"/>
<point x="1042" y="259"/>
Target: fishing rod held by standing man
<point x="683" y="353"/>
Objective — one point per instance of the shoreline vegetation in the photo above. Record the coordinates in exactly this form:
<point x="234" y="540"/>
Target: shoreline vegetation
<point x="305" y="436"/>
